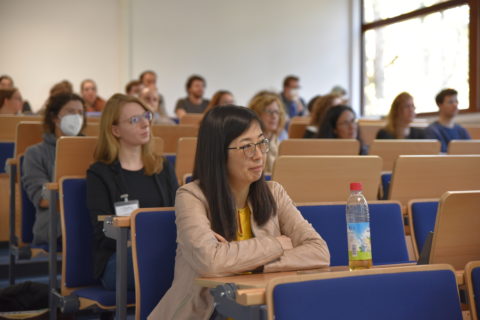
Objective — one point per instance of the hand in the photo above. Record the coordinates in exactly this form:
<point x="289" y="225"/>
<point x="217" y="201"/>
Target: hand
<point x="44" y="204"/>
<point x="220" y="238"/>
<point x="286" y="242"/>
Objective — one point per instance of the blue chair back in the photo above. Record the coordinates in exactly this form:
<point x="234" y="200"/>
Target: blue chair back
<point x="386" y="179"/>
<point x="424" y="215"/>
<point x="172" y="158"/>
<point x="28" y="210"/>
<point x="155" y="243"/>
<point x="78" y="234"/>
<point x="6" y="151"/>
<point x="476" y="288"/>
<point x="403" y="295"/>
<point x="386" y="228"/>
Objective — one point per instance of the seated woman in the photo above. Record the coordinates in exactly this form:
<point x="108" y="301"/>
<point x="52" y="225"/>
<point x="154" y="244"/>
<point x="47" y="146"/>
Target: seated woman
<point x="126" y="165"/>
<point x="269" y="108"/>
<point x="10" y="101"/>
<point x="230" y="220"/>
<point x="340" y="123"/>
<point x="401" y="115"/>
<point x="219" y="99"/>
<point x="64" y="116"/>
<point x="319" y="109"/>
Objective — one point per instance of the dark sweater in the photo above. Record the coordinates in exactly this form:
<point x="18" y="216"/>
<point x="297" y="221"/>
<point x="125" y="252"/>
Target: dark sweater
<point x="415" y="133"/>
<point x="105" y="184"/>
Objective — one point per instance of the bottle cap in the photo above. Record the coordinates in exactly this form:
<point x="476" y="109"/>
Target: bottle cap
<point x="356" y="186"/>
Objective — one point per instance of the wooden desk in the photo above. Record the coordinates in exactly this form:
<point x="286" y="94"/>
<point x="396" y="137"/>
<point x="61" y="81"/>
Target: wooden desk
<point x="251" y="287"/>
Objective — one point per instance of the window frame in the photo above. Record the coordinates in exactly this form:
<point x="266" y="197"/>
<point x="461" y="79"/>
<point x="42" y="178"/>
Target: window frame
<point x="474" y="45"/>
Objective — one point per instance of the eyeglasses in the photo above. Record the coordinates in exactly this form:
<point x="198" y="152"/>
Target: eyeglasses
<point x="272" y="112"/>
<point x="147" y="115"/>
<point x="347" y="123"/>
<point x="249" y="149"/>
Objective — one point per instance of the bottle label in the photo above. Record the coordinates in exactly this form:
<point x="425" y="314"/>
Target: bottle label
<point x="359" y="245"/>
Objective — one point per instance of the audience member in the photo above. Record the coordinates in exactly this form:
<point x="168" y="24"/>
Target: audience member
<point x="10" y="101"/>
<point x="311" y="103"/>
<point x="340" y="92"/>
<point x="340" y="123"/>
<point x="125" y="165"/>
<point x="6" y="82"/>
<point x="64" y="116"/>
<point x="134" y="88"/>
<point x="88" y="90"/>
<point x="445" y="129"/>
<point x="321" y="106"/>
<point x="269" y="109"/>
<point x="63" y="86"/>
<point x="150" y="96"/>
<point x="220" y="98"/>
<point x="399" y="119"/>
<point x="148" y="79"/>
<point x="293" y="103"/>
<point x="230" y="220"/>
<point x="194" y="102"/>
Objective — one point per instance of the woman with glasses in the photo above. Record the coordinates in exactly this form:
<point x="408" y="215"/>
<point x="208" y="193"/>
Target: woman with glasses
<point x="126" y="169"/>
<point x="64" y="116"/>
<point x="270" y="110"/>
<point x="401" y="115"/>
<point x="230" y="220"/>
<point x="340" y="122"/>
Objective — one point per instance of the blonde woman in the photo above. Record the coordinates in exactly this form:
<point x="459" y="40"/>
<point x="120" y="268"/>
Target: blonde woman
<point x="271" y="112"/>
<point x="125" y="165"/>
<point x="401" y="115"/>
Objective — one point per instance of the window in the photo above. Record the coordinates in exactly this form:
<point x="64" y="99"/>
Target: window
<point x="420" y="51"/>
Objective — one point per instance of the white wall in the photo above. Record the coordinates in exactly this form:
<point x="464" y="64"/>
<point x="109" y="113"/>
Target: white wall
<point x="44" y="42"/>
<point x="243" y="46"/>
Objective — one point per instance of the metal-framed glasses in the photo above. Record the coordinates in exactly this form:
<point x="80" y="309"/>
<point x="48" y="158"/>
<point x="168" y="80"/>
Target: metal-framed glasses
<point x="147" y="115"/>
<point x="250" y="148"/>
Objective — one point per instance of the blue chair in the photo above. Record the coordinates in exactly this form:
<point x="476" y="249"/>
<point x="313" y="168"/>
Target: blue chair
<point x="6" y="151"/>
<point x="386" y="179"/>
<point x="154" y="235"/>
<point x="78" y="283"/>
<point x="386" y="228"/>
<point x="171" y="157"/>
<point x="421" y="216"/>
<point x="472" y="279"/>
<point x="414" y="292"/>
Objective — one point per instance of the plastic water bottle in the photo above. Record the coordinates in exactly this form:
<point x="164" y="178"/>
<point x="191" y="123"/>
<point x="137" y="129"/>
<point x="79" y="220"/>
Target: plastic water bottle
<point x="358" y="229"/>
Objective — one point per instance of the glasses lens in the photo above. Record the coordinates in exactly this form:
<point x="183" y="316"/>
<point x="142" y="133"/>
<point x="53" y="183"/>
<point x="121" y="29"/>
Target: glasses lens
<point x="249" y="149"/>
<point x="134" y="119"/>
<point x="148" y="115"/>
<point x="264" y="146"/>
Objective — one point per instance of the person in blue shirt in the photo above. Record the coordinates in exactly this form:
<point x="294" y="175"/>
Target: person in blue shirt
<point x="445" y="129"/>
<point x="293" y="103"/>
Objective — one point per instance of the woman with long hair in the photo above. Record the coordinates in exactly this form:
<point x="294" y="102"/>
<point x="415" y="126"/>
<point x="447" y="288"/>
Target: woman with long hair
<point x="126" y="167"/>
<point x="64" y="116"/>
<point x="230" y="220"/>
<point x="401" y="115"/>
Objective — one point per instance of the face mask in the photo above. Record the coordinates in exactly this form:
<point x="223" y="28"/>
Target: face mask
<point x="294" y="92"/>
<point x="71" y="124"/>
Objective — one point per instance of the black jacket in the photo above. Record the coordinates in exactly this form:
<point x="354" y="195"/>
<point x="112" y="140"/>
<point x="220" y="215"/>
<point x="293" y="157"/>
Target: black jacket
<point x="104" y="187"/>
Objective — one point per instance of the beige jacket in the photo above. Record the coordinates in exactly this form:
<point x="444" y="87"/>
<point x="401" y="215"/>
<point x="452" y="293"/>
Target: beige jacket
<point x="199" y="254"/>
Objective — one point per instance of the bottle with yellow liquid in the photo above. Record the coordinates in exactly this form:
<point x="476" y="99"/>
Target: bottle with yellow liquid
<point x="358" y="229"/>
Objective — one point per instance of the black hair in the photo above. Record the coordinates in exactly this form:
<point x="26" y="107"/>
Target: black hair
<point x="193" y="78"/>
<point x="218" y="129"/>
<point x="444" y="93"/>
<point x="329" y="123"/>
<point x="54" y="106"/>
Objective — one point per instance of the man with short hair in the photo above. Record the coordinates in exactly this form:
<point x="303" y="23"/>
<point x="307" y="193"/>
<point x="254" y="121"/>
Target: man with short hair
<point x="294" y="104"/>
<point x="194" y="102"/>
<point x="445" y="129"/>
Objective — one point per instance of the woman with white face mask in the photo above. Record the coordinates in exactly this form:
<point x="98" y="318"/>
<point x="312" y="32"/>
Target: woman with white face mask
<point x="64" y="116"/>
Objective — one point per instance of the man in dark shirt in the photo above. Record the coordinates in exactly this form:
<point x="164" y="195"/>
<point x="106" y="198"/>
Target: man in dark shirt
<point x="294" y="105"/>
<point x="445" y="129"/>
<point x="194" y="102"/>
